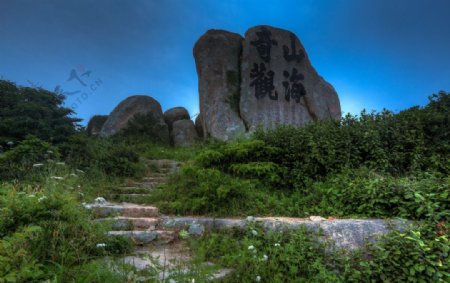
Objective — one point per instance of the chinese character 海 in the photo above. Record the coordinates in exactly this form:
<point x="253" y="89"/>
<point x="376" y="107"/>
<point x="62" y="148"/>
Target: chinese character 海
<point x="293" y="88"/>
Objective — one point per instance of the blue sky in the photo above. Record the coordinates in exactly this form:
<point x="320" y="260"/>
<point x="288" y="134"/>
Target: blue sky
<point x="377" y="54"/>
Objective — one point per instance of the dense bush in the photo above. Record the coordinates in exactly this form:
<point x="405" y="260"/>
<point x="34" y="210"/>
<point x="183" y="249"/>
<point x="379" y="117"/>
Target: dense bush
<point x="146" y="128"/>
<point x="17" y="162"/>
<point x="260" y="255"/>
<point x="413" y="140"/>
<point x="44" y="232"/>
<point x="33" y="111"/>
<point x="114" y="157"/>
<point x="366" y="193"/>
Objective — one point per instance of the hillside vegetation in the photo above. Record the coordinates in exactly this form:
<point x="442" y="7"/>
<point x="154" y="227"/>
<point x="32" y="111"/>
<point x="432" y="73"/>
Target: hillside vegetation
<point x="374" y="165"/>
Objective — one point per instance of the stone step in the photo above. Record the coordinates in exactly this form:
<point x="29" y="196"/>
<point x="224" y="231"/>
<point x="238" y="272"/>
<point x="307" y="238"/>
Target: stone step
<point x="134" y="198"/>
<point x="146" y="237"/>
<point x="130" y="190"/>
<point x="155" y="179"/>
<point x="163" y="163"/>
<point x="121" y="223"/>
<point x="122" y="209"/>
<point x="147" y="185"/>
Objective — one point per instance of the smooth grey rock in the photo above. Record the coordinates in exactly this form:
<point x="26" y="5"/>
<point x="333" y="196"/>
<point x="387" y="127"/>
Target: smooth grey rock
<point x="174" y="114"/>
<point x="199" y="126"/>
<point x="217" y="54"/>
<point x="183" y="133"/>
<point x="95" y="124"/>
<point x="128" y="108"/>
<point x="278" y="83"/>
<point x="343" y="233"/>
<point x="196" y="229"/>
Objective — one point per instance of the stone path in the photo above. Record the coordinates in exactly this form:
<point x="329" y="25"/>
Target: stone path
<point x="156" y="237"/>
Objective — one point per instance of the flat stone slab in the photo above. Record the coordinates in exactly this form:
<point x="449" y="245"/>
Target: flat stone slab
<point x="121" y="223"/>
<point x="168" y="258"/>
<point x="146" y="237"/>
<point x="345" y="233"/>
<point x="122" y="209"/>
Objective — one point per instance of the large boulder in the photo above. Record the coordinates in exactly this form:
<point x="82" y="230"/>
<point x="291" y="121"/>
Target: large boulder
<point x="95" y="124"/>
<point x="199" y="125"/>
<point x="183" y="133"/>
<point x="278" y="83"/>
<point x="128" y="108"/>
<point x="175" y="114"/>
<point x="265" y="79"/>
<point x="217" y="54"/>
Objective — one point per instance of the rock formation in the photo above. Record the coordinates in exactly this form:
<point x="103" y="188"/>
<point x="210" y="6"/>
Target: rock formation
<point x="217" y="59"/>
<point x="199" y="125"/>
<point x="128" y="108"/>
<point x="264" y="80"/>
<point x="183" y="133"/>
<point x="175" y="114"/>
<point x="95" y="124"/>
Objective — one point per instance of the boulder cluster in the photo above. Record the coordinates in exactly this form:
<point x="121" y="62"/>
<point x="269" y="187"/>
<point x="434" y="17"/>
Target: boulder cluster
<point x="174" y="126"/>
<point x="263" y="79"/>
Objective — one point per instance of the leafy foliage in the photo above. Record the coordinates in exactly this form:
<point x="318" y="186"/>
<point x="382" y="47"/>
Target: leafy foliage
<point x="33" y="111"/>
<point x="146" y="128"/>
<point x="43" y="230"/>
<point x="17" y="162"/>
<point x="296" y="255"/>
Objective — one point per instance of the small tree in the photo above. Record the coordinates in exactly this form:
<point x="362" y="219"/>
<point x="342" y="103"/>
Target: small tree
<point x="33" y="111"/>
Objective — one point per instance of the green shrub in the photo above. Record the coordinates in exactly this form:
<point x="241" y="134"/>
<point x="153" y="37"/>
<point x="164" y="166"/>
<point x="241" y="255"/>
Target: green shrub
<point x="146" y="127"/>
<point x="114" y="157"/>
<point x="405" y="257"/>
<point x="210" y="191"/>
<point x="17" y="162"/>
<point x="33" y="111"/>
<point x="368" y="194"/>
<point x="270" y="256"/>
<point x="45" y="229"/>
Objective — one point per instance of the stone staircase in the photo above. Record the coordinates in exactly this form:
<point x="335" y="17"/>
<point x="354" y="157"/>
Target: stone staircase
<point x="138" y="191"/>
<point x="156" y="236"/>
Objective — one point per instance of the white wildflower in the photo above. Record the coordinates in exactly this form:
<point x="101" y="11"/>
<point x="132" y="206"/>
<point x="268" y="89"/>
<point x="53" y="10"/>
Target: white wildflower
<point x="277" y="244"/>
<point x="255" y="233"/>
<point x="57" y="178"/>
<point x="38" y="165"/>
<point x="258" y="278"/>
<point x="193" y="280"/>
<point x="265" y="258"/>
<point x="101" y="245"/>
<point x="42" y="198"/>
<point x="80" y="171"/>
<point x="31" y="196"/>
<point x="100" y="200"/>
<point x="251" y="247"/>
<point x="10" y="143"/>
<point x="73" y="175"/>
<point x="49" y="152"/>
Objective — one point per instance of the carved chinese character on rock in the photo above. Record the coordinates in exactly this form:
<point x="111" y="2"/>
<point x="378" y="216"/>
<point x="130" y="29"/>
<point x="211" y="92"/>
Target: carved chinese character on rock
<point x="293" y="88"/>
<point x="291" y="55"/>
<point x="264" y="44"/>
<point x="262" y="82"/>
